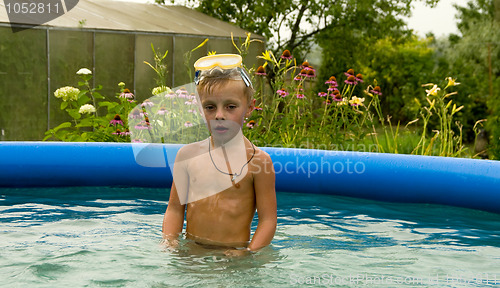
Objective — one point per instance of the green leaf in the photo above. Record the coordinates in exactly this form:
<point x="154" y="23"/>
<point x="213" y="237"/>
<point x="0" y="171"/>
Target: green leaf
<point x="108" y="104"/>
<point x="74" y="113"/>
<point x="64" y="104"/>
<point x="86" y="122"/>
<point x="98" y="95"/>
<point x="61" y="126"/>
<point x="83" y="100"/>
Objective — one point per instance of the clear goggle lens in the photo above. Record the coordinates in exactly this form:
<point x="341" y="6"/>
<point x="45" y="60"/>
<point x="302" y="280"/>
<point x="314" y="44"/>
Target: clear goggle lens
<point x="223" y="61"/>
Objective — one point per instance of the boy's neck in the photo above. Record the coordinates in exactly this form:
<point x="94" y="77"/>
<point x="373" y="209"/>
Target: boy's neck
<point x="236" y="140"/>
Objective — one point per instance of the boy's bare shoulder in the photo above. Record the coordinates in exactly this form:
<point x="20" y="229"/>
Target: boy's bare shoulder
<point x="262" y="158"/>
<point x="192" y="150"/>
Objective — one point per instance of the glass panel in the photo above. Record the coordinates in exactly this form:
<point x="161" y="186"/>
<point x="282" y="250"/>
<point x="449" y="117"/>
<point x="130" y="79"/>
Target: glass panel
<point x="23" y="84"/>
<point x="221" y="46"/>
<point x="69" y="51"/>
<point x="182" y="45"/>
<point x="145" y="76"/>
<point x="114" y="62"/>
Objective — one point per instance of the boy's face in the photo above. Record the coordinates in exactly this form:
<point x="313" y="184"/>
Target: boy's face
<point x="225" y="109"/>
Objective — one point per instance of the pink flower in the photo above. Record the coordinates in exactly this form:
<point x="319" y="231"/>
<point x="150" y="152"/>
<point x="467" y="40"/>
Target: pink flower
<point x="359" y="78"/>
<point x="116" y="120"/>
<point x="136" y="114"/>
<point x="376" y="90"/>
<point x="143" y="125"/>
<point x="125" y="133"/>
<point x="147" y="103"/>
<point x="332" y="81"/>
<point x="126" y="94"/>
<point x="182" y="92"/>
<point x="188" y="124"/>
<point x="300" y="96"/>
<point x="251" y="124"/>
<point x="162" y="111"/>
<point x="349" y="72"/>
<point x="261" y="71"/>
<point x="286" y="55"/>
<point x="282" y="92"/>
<point x="351" y="80"/>
<point x="322" y="94"/>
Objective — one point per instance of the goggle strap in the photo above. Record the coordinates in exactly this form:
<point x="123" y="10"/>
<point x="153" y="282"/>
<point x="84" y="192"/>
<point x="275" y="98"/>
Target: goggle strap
<point x="245" y="77"/>
<point x="197" y="77"/>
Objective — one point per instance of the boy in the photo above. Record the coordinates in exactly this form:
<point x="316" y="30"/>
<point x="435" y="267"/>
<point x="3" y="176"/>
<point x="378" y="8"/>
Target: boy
<point x="224" y="179"/>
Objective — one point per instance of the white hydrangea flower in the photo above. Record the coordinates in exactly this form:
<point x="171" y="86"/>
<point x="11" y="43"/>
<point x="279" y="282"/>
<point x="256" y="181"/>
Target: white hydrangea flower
<point x="67" y="93"/>
<point x="161" y="89"/>
<point x="87" y="108"/>
<point x="84" y="71"/>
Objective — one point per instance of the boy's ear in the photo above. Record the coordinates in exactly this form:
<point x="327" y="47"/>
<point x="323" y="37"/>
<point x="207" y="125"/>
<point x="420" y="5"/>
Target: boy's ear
<point x="251" y="107"/>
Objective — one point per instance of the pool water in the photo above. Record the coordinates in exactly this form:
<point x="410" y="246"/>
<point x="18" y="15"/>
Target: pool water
<point x="110" y="237"/>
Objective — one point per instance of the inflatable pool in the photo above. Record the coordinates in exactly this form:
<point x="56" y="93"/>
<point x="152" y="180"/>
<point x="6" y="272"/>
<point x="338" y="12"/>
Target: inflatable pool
<point x="459" y="182"/>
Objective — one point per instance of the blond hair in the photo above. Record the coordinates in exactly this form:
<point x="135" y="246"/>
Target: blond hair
<point x="217" y="77"/>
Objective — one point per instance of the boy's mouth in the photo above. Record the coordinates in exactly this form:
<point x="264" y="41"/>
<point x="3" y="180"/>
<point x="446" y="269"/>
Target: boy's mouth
<point x="221" y="129"/>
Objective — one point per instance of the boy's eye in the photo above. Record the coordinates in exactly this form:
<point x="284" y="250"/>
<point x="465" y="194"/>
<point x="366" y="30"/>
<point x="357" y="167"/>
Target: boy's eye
<point x="231" y="106"/>
<point x="209" y="107"/>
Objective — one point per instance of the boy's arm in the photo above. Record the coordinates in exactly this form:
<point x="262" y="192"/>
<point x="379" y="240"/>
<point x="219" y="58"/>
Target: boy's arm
<point x="265" y="196"/>
<point x="174" y="216"/>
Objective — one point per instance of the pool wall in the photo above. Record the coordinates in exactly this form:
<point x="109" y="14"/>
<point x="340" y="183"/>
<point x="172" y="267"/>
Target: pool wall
<point x="459" y="182"/>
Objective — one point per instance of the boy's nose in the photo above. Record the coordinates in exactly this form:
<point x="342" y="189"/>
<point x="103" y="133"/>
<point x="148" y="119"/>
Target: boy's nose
<point x="219" y="115"/>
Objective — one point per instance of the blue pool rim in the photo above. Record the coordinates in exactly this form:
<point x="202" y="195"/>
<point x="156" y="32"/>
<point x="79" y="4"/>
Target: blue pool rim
<point x="468" y="183"/>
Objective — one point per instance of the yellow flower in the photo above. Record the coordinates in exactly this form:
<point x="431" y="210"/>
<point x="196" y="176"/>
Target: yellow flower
<point x="355" y="101"/>
<point x="433" y="91"/>
<point x="451" y="82"/>
<point x="455" y="109"/>
<point x="448" y="105"/>
<point x="431" y="103"/>
<point x="211" y="53"/>
<point x="343" y="102"/>
<point x="267" y="56"/>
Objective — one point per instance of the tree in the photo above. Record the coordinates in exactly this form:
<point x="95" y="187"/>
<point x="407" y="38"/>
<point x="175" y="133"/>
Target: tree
<point x="293" y="24"/>
<point x="474" y="58"/>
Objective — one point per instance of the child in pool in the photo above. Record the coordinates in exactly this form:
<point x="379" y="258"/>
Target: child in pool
<point x="223" y="180"/>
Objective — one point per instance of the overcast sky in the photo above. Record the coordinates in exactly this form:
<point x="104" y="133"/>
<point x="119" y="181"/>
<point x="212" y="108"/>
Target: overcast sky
<point x="440" y="20"/>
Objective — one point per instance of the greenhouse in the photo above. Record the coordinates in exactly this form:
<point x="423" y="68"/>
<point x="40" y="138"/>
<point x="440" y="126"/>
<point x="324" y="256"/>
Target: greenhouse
<point x="113" y="39"/>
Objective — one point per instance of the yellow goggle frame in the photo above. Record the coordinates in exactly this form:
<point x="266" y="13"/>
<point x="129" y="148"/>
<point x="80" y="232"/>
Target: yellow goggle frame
<point x="223" y="61"/>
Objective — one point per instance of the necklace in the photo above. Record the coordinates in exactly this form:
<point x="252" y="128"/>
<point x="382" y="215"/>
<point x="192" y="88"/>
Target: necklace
<point x="233" y="175"/>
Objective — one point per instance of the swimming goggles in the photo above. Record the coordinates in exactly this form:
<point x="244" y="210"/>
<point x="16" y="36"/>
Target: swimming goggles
<point x="223" y="61"/>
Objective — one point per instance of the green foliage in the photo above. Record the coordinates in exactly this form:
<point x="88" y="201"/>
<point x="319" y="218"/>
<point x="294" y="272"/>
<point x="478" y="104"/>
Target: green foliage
<point x="474" y="57"/>
<point x="160" y="66"/>
<point x="337" y="119"/>
<point x="303" y="20"/>
<point x="399" y="67"/>
<point x="83" y="106"/>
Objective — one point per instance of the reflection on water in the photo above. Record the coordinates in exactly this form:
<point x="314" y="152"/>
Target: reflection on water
<point x="112" y="237"/>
